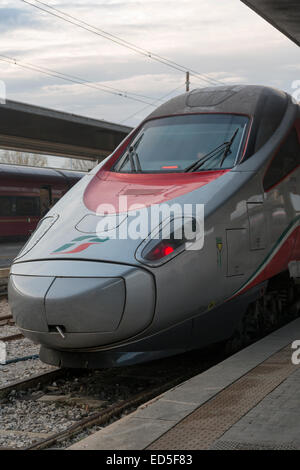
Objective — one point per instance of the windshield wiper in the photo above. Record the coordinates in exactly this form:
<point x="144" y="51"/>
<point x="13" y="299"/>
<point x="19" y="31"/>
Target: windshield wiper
<point x="228" y="151"/>
<point x="133" y="153"/>
<point x="132" y="156"/>
<point x="226" y="146"/>
<point x="132" y="163"/>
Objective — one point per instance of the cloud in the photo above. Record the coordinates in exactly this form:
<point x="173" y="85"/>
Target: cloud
<point x="225" y="40"/>
<point x="12" y="19"/>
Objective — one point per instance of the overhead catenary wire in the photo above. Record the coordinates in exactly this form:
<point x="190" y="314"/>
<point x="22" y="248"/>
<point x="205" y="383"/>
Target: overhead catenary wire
<point x="76" y="80"/>
<point x="153" y="104"/>
<point x="122" y="42"/>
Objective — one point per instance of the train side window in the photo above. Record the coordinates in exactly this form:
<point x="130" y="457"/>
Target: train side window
<point x="28" y="206"/>
<point x="6" y="206"/>
<point x="285" y="161"/>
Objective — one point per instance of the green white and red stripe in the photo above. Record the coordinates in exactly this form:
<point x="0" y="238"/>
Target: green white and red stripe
<point x="286" y="249"/>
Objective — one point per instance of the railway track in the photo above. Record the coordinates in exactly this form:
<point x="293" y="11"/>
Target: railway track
<point x="3" y="291"/>
<point x="10" y="339"/>
<point x="9" y="334"/>
<point x="6" y="319"/>
<point x="100" y="396"/>
<point x="90" y="398"/>
<point x="4" y="274"/>
<point x="7" y="339"/>
<point x="76" y="402"/>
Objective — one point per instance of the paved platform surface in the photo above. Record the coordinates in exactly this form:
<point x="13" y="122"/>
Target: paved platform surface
<point x="8" y="251"/>
<point x="273" y="424"/>
<point x="249" y="401"/>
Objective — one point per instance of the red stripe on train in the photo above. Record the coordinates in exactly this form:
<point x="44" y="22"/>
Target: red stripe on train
<point x="143" y="189"/>
<point x="290" y="250"/>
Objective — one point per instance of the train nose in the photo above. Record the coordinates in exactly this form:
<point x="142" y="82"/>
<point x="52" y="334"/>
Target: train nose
<point x="68" y="305"/>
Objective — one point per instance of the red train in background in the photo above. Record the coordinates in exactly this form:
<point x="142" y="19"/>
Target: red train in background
<point x="26" y="195"/>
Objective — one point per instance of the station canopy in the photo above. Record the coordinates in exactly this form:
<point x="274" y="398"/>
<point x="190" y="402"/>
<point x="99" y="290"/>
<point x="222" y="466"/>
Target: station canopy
<point x="282" y="14"/>
<point x="28" y="128"/>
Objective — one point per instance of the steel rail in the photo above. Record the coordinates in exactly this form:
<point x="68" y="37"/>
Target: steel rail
<point x="42" y="379"/>
<point x="104" y="417"/>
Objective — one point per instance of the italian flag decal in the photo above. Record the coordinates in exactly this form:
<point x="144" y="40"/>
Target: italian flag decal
<point x="76" y="245"/>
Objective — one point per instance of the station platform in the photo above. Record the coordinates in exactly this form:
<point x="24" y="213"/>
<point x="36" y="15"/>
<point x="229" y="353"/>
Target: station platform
<point x="250" y="401"/>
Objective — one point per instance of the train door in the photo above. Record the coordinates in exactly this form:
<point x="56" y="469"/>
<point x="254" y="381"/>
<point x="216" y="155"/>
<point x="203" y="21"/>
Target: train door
<point x="45" y="199"/>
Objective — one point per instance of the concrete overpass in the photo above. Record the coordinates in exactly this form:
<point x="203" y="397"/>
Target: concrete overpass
<point x="282" y="14"/>
<point x="33" y="129"/>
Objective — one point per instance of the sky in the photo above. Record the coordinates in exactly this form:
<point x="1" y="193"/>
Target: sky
<point x="222" y="39"/>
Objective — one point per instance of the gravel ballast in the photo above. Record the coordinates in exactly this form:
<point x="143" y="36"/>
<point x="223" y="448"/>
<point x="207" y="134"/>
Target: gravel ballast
<point x="10" y="373"/>
<point x="4" y="308"/>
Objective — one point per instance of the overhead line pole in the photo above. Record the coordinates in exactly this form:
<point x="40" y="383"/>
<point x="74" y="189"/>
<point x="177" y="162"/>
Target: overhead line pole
<point x="187" y="82"/>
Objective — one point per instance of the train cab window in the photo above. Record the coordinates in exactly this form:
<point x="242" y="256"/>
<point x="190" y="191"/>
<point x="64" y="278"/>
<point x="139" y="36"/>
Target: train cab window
<point x="27" y="206"/>
<point x="6" y="206"/>
<point x="194" y="142"/>
<point x="284" y="162"/>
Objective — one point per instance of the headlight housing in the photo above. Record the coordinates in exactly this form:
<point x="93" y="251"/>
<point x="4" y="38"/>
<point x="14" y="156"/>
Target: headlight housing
<point x="169" y="239"/>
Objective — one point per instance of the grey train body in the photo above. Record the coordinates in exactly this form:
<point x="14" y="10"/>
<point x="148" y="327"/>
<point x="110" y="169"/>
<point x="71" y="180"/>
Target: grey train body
<point x="103" y="306"/>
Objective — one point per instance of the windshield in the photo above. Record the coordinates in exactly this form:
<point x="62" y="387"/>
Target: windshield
<point x="175" y="143"/>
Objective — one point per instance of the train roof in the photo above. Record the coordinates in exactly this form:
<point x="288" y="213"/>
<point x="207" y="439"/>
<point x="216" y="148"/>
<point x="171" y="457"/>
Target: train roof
<point x="37" y="174"/>
<point x="265" y="105"/>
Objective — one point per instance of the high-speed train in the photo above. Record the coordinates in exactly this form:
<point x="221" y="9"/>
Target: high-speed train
<point x="187" y="235"/>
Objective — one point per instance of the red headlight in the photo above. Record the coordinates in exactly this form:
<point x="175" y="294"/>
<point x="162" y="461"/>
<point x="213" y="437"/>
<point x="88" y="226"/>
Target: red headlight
<point x="160" y="251"/>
